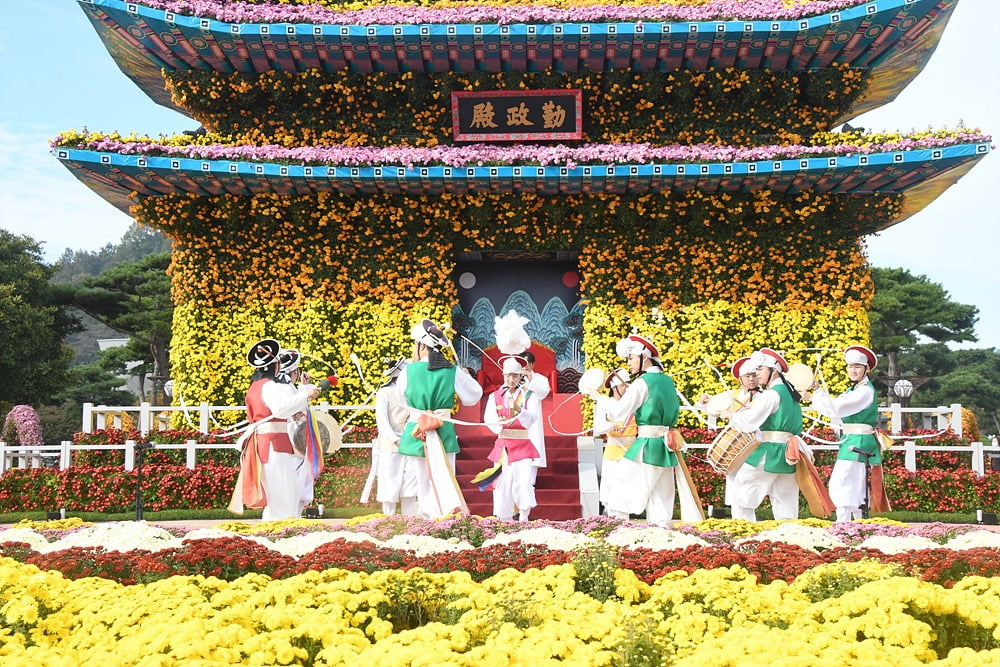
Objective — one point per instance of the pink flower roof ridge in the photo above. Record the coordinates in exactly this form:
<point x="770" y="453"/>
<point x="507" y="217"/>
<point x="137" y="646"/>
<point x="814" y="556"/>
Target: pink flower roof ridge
<point x="240" y="12"/>
<point x="482" y="154"/>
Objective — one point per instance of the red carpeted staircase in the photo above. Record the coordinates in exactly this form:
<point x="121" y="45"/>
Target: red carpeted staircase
<point x="557" y="488"/>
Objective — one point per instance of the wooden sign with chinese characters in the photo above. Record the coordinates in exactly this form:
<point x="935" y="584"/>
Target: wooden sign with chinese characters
<point x="517" y="115"/>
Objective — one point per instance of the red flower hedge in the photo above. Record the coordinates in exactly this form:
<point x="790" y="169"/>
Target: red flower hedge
<point x="232" y="557"/>
<point x="944" y="482"/>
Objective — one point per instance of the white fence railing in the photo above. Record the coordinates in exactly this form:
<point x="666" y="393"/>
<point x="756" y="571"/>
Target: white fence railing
<point x="203" y="416"/>
<point x="61" y="455"/>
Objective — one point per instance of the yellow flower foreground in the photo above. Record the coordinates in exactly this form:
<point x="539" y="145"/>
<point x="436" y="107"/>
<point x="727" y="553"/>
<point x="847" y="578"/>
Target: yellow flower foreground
<point x="711" y="617"/>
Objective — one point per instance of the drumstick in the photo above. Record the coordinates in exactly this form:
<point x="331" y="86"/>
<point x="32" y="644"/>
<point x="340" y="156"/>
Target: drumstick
<point x="481" y="350"/>
<point x="357" y="365"/>
<point x="694" y="410"/>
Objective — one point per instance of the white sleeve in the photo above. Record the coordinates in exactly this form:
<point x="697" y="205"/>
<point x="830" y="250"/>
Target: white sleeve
<point x="284" y="400"/>
<point x="848" y="403"/>
<point x="401" y="386"/>
<point x="618" y="410"/>
<point x="382" y="420"/>
<point x="531" y="412"/>
<point x="751" y="417"/>
<point x="601" y="422"/>
<point x="490" y="416"/>
<point x="469" y="391"/>
<point x="539" y="384"/>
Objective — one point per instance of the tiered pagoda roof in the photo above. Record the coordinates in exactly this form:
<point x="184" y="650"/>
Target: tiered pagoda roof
<point x="891" y="38"/>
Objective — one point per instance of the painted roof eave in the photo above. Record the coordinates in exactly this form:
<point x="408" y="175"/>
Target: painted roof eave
<point x="892" y="38"/>
<point x="923" y="172"/>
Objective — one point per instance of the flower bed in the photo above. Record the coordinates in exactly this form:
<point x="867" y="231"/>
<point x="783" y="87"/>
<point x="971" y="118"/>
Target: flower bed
<point x="943" y="482"/>
<point x="401" y="591"/>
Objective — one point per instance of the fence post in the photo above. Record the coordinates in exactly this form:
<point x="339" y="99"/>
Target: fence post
<point x="203" y="417"/>
<point x="191" y="453"/>
<point x="956" y="418"/>
<point x="65" y="455"/>
<point x="88" y="418"/>
<point x="896" y="418"/>
<point x="3" y="457"/>
<point x="130" y="455"/>
<point x="910" y="458"/>
<point x="145" y="418"/>
<point x="978" y="465"/>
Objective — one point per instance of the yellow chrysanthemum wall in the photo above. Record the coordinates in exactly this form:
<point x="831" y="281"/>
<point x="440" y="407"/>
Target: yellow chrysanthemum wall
<point x="724" y="106"/>
<point x="707" y="276"/>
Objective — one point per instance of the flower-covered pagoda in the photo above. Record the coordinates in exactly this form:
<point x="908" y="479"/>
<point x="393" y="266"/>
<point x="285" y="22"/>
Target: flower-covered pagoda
<point x="665" y="167"/>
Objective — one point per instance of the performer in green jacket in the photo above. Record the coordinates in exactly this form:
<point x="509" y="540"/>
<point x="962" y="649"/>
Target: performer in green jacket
<point x="647" y="469"/>
<point x="854" y="414"/>
<point x="429" y="386"/>
<point x="770" y="469"/>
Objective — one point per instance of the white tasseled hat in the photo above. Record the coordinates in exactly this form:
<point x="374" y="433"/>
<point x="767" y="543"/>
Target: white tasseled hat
<point x="859" y="354"/>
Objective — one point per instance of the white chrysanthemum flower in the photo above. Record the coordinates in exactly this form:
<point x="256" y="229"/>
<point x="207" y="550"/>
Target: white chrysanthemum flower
<point x="552" y="538"/>
<point x="424" y="545"/>
<point x="208" y="534"/>
<point x="118" y="536"/>
<point x="299" y="545"/>
<point x="806" y="537"/>
<point x="898" y="545"/>
<point x="36" y="541"/>
<point x="652" y="537"/>
<point x="974" y="539"/>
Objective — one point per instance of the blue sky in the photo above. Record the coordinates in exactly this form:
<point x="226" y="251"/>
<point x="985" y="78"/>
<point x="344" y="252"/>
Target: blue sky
<point x="55" y="75"/>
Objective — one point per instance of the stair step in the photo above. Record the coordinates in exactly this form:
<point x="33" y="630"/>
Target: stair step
<point x="557" y="488"/>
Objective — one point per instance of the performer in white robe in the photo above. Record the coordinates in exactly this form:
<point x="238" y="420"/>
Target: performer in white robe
<point x="619" y="437"/>
<point x="398" y="480"/>
<point x="270" y="403"/>
<point x="539" y="386"/>
<point x="509" y="412"/>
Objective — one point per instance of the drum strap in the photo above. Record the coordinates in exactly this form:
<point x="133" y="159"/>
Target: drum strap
<point x="775" y="436"/>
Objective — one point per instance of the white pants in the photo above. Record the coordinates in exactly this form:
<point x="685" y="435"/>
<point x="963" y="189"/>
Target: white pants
<point x="847" y="489"/>
<point x="643" y="487"/>
<point x="425" y="491"/>
<point x="752" y="483"/>
<point x="397" y="477"/>
<point x="280" y="479"/>
<point x="610" y="471"/>
<point x="306" y="483"/>
<point x="514" y="486"/>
